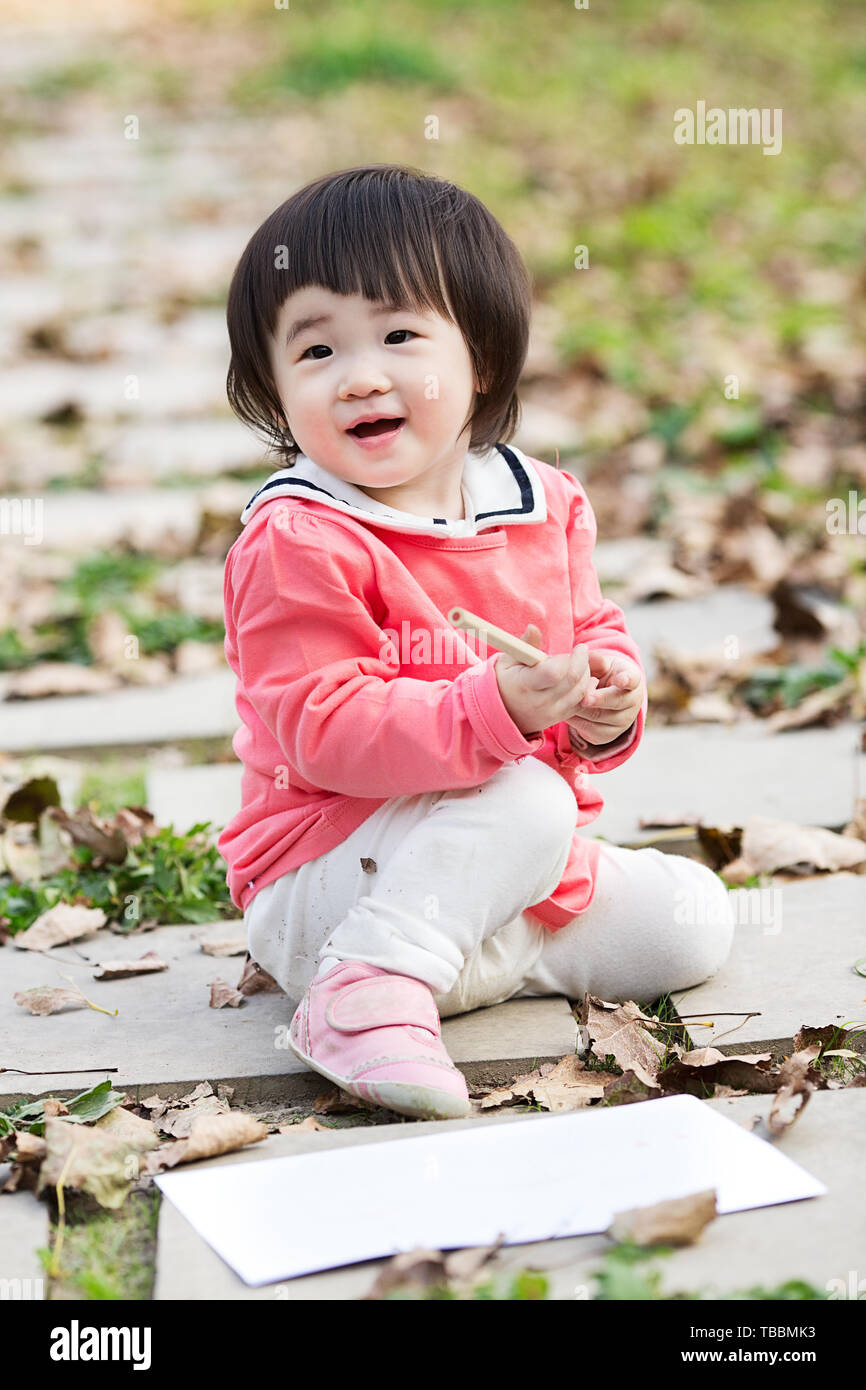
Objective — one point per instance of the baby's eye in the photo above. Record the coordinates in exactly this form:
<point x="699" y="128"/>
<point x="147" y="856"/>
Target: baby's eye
<point x="402" y="330"/>
<point x="313" y="349"/>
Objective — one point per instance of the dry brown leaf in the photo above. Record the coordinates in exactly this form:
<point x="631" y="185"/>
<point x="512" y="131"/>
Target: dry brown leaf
<point x="768" y="845"/>
<point x="678" y="1221"/>
<point x="694" y="1070"/>
<point x="663" y="820"/>
<point x="626" y="1089"/>
<point x="619" y="1030"/>
<point x="90" y="1159"/>
<point x="222" y="994"/>
<point x="339" y="1102"/>
<point x="57" y="678"/>
<point x="176" y="1116"/>
<point x="135" y="823"/>
<point x="418" y="1268"/>
<point x="122" y="1123"/>
<point x="59" y="924"/>
<point x="211" y="1135"/>
<point x="815" y="708"/>
<point x="50" y="999"/>
<point x="795" y="1088"/>
<point x="856" y="827"/>
<point x="29" y="1148"/>
<point x="310" y="1123"/>
<point x="255" y="980"/>
<point x="122" y="969"/>
<point x="565" y="1085"/>
<point x="105" y="839"/>
<point x="52" y="1106"/>
<point x="421" y="1268"/>
<point x="831" y="1035"/>
<point x="230" y="946"/>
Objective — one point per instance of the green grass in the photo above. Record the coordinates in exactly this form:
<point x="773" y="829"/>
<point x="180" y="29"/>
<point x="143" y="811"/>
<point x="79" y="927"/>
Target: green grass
<point x="105" y="1255"/>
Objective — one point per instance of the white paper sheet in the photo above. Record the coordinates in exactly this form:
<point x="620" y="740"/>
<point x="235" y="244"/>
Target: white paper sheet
<point x="529" y="1179"/>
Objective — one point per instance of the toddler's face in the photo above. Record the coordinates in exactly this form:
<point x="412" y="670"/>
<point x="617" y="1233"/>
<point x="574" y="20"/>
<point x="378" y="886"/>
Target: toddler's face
<point x="364" y="359"/>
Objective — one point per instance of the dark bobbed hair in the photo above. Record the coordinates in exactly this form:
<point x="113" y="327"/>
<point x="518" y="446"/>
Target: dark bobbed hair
<point x="388" y="232"/>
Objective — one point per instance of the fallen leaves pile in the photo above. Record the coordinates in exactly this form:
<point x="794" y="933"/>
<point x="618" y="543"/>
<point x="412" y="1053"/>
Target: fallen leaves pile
<point x="102" y="1143"/>
<point x="650" y="1066"/>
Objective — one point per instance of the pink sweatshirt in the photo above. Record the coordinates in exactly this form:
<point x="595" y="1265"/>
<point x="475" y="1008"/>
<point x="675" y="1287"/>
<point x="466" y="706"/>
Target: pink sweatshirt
<point x="353" y="687"/>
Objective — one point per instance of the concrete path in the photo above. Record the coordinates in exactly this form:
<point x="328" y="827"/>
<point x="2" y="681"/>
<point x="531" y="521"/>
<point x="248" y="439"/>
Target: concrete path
<point x="23" y="1230"/>
<point x="190" y="707"/>
<point x="816" y="1240"/>
<point x="792" y="958"/>
<point x="166" y="1037"/>
<point x="723" y="774"/>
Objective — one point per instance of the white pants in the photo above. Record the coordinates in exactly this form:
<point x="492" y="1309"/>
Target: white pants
<point x="444" y="900"/>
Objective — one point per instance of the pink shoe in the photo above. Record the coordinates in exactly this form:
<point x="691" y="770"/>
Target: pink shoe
<point x="377" y="1035"/>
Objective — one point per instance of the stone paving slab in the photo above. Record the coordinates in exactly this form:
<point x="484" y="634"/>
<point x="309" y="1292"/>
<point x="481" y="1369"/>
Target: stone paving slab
<point x="702" y="624"/>
<point x="722" y="774"/>
<point x="185" y="796"/>
<point x="23" y="1230"/>
<point x="725" y="774"/>
<point x="795" y="966"/>
<point x="817" y="1240"/>
<point x="188" y="707"/>
<point x="166" y="1038"/>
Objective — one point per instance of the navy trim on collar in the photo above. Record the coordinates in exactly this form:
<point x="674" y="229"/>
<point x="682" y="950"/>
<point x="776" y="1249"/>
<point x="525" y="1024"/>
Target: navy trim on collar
<point x="532" y="506"/>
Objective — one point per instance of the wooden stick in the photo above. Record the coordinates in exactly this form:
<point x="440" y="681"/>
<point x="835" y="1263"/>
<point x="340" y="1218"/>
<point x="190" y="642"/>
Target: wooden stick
<point x="497" y="637"/>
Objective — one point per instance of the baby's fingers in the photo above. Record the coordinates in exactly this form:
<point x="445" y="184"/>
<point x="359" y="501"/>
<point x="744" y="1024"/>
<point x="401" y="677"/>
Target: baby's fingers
<point x="609" y="697"/>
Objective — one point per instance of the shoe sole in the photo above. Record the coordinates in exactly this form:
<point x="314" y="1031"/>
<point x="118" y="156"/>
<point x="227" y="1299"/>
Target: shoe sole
<point x="404" y="1097"/>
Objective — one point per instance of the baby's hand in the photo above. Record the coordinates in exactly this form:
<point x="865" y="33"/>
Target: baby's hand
<point x="613" y="703"/>
<point x="544" y="694"/>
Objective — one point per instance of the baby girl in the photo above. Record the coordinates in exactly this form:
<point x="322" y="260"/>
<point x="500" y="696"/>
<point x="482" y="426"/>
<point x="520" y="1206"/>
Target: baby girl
<point x="409" y="842"/>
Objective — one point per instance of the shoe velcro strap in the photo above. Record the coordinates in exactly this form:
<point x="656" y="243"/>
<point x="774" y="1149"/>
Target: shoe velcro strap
<point x="380" y="1002"/>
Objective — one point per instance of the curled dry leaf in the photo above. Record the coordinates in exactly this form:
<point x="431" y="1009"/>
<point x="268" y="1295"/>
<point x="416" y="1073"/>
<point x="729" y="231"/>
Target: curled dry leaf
<point x="106" y="841"/>
<point x="50" y="999"/>
<point x="222" y="994"/>
<point x="59" y="924"/>
<point x="121" y="969"/>
<point x="29" y="1148"/>
<point x="796" y="1086"/>
<point x="210" y="1135"/>
<point x="176" y="1116"/>
<point x="255" y="980"/>
<point x="676" y="1222"/>
<point x="230" y="946"/>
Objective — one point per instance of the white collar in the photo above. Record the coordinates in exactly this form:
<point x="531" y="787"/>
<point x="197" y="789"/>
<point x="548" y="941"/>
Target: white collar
<point x="500" y="487"/>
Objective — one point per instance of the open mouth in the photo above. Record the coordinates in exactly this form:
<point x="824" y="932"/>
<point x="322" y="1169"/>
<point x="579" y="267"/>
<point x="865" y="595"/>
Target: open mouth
<point x="372" y="427"/>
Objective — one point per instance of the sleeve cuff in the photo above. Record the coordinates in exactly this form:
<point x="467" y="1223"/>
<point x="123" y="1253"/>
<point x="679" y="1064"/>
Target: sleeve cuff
<point x="489" y="717"/>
